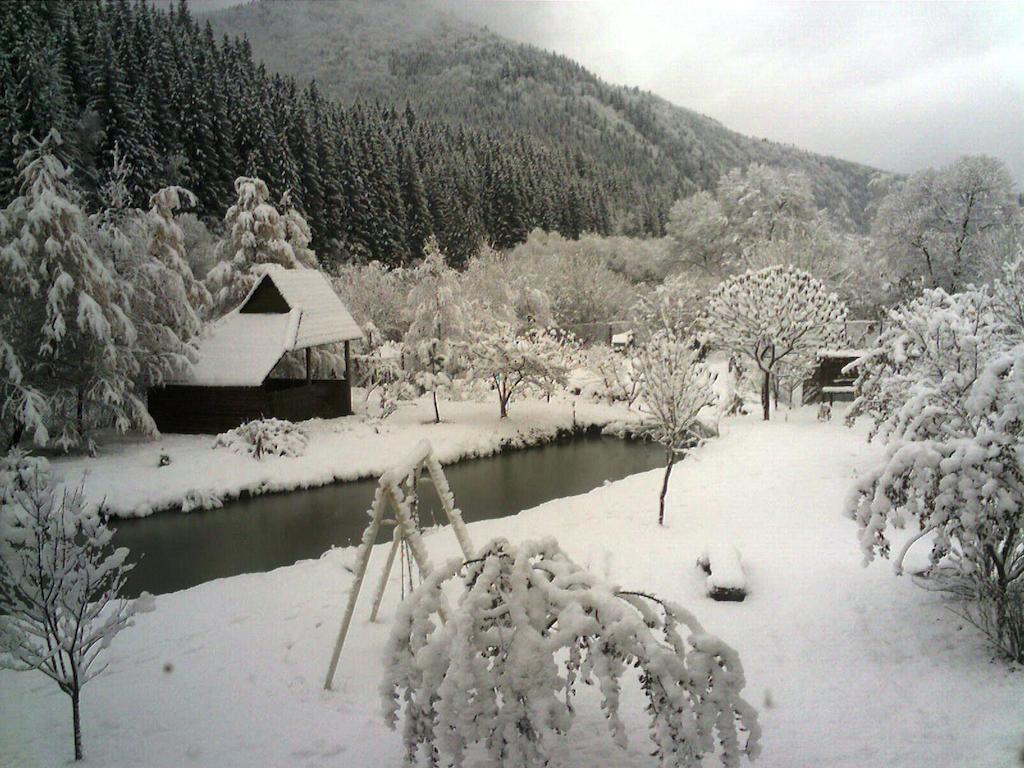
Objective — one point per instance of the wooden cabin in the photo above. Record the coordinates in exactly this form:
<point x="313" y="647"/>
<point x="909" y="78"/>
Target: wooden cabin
<point x="288" y="310"/>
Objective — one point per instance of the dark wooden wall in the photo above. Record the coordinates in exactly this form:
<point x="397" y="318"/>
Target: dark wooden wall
<point x="211" y="410"/>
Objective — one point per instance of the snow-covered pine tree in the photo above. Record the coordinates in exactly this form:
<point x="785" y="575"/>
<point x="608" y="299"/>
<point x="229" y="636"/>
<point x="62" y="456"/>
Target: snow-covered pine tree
<point x="417" y="211"/>
<point x="297" y="232"/>
<point x="777" y="315"/>
<point x="64" y="311"/>
<point x="674" y="388"/>
<point x="60" y="581"/>
<point x="502" y="667"/>
<point x="256" y="235"/>
<point x="168" y="303"/>
<point x="438" y="323"/>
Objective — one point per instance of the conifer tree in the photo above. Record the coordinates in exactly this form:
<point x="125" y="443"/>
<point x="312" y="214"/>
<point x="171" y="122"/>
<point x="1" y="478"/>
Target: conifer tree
<point x="65" y="309"/>
<point x="255" y="234"/>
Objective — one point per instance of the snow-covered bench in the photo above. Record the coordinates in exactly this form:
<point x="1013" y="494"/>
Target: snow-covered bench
<point x="837" y="389"/>
<point x="726" y="580"/>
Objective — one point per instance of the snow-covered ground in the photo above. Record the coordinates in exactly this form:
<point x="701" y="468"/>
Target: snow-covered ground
<point x="128" y="480"/>
<point x="849" y="667"/>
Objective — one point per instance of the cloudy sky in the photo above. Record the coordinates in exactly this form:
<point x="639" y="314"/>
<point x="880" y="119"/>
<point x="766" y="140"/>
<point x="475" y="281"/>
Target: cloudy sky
<point x="897" y="86"/>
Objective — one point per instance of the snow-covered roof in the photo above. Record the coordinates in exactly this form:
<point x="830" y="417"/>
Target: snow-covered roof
<point x="242" y="347"/>
<point x="842" y="352"/>
<point x="325" y="319"/>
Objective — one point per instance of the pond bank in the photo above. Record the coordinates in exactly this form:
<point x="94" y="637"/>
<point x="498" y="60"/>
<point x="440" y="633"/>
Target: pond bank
<point x="270" y="531"/>
<point x="126" y="479"/>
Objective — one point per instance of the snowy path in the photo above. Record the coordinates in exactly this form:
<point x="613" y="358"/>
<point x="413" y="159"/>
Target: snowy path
<point x="848" y="666"/>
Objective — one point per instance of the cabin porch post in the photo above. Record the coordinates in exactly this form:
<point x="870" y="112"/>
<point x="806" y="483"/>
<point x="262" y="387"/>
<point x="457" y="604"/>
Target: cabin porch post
<point x="347" y="389"/>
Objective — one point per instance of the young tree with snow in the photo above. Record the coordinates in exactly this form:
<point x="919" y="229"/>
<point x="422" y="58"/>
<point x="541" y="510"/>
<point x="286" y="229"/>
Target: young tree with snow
<point x="502" y="666"/>
<point x="777" y="316"/>
<point x="64" y="312"/>
<point x="943" y="228"/>
<point x="513" y="359"/>
<point x="59" y="581"/>
<point x="438" y="323"/>
<point x="256" y="235"/>
<point x="674" y="388"/>
<point x="673" y="307"/>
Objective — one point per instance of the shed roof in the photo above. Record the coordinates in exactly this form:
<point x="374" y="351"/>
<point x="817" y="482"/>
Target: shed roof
<point x="325" y="319"/>
<point x="243" y="347"/>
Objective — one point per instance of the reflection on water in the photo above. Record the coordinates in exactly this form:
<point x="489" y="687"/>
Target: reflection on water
<point x="265" y="532"/>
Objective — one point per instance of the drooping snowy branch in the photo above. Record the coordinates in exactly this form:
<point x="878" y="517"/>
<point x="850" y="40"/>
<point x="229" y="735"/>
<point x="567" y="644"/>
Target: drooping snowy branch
<point x="529" y="627"/>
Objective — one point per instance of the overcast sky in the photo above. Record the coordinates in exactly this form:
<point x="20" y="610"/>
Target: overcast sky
<point x="896" y="86"/>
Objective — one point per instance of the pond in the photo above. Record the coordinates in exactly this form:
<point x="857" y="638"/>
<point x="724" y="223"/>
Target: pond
<point x="175" y="551"/>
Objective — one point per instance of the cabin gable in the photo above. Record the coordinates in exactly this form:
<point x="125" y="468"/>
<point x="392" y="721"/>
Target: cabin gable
<point x="265" y="300"/>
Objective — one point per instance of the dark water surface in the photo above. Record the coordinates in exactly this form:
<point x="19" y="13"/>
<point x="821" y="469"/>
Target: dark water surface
<point x="260" y="533"/>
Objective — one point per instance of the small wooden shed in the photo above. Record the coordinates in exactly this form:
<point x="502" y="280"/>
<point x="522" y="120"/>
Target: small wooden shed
<point x="834" y="378"/>
<point x="287" y="310"/>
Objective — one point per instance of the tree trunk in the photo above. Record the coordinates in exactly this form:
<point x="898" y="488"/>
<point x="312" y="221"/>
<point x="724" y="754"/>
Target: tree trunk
<point x="670" y="459"/>
<point x="503" y="401"/>
<point x="80" y="413"/>
<point x="437" y="415"/>
<point x="76" y="719"/>
<point x="766" y="394"/>
<point x="16" y="433"/>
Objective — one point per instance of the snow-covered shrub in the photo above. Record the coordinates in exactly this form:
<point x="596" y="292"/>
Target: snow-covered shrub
<point x="924" y="364"/>
<point x="574" y="276"/>
<point x="264" y="437"/>
<point x="530" y="625"/>
<point x="675" y="387"/>
<point x="59" y="581"/>
<point x="778" y="317"/>
<point x="672" y="307"/>
<point x="947" y="391"/>
<point x="616" y="375"/>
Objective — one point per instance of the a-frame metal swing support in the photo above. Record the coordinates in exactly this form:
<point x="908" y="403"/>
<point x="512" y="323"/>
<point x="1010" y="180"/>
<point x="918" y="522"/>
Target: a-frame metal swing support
<point x="390" y="496"/>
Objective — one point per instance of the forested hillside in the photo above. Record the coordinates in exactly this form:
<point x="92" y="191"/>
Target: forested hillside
<point x="183" y="106"/>
<point x="399" y="51"/>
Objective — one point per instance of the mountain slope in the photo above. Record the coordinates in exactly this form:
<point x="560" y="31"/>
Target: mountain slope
<point x="397" y="51"/>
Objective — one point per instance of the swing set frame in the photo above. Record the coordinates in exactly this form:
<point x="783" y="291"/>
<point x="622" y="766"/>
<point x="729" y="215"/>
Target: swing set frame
<point x="396" y="493"/>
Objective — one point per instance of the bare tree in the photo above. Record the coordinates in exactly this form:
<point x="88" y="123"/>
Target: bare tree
<point x="59" y="581"/>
